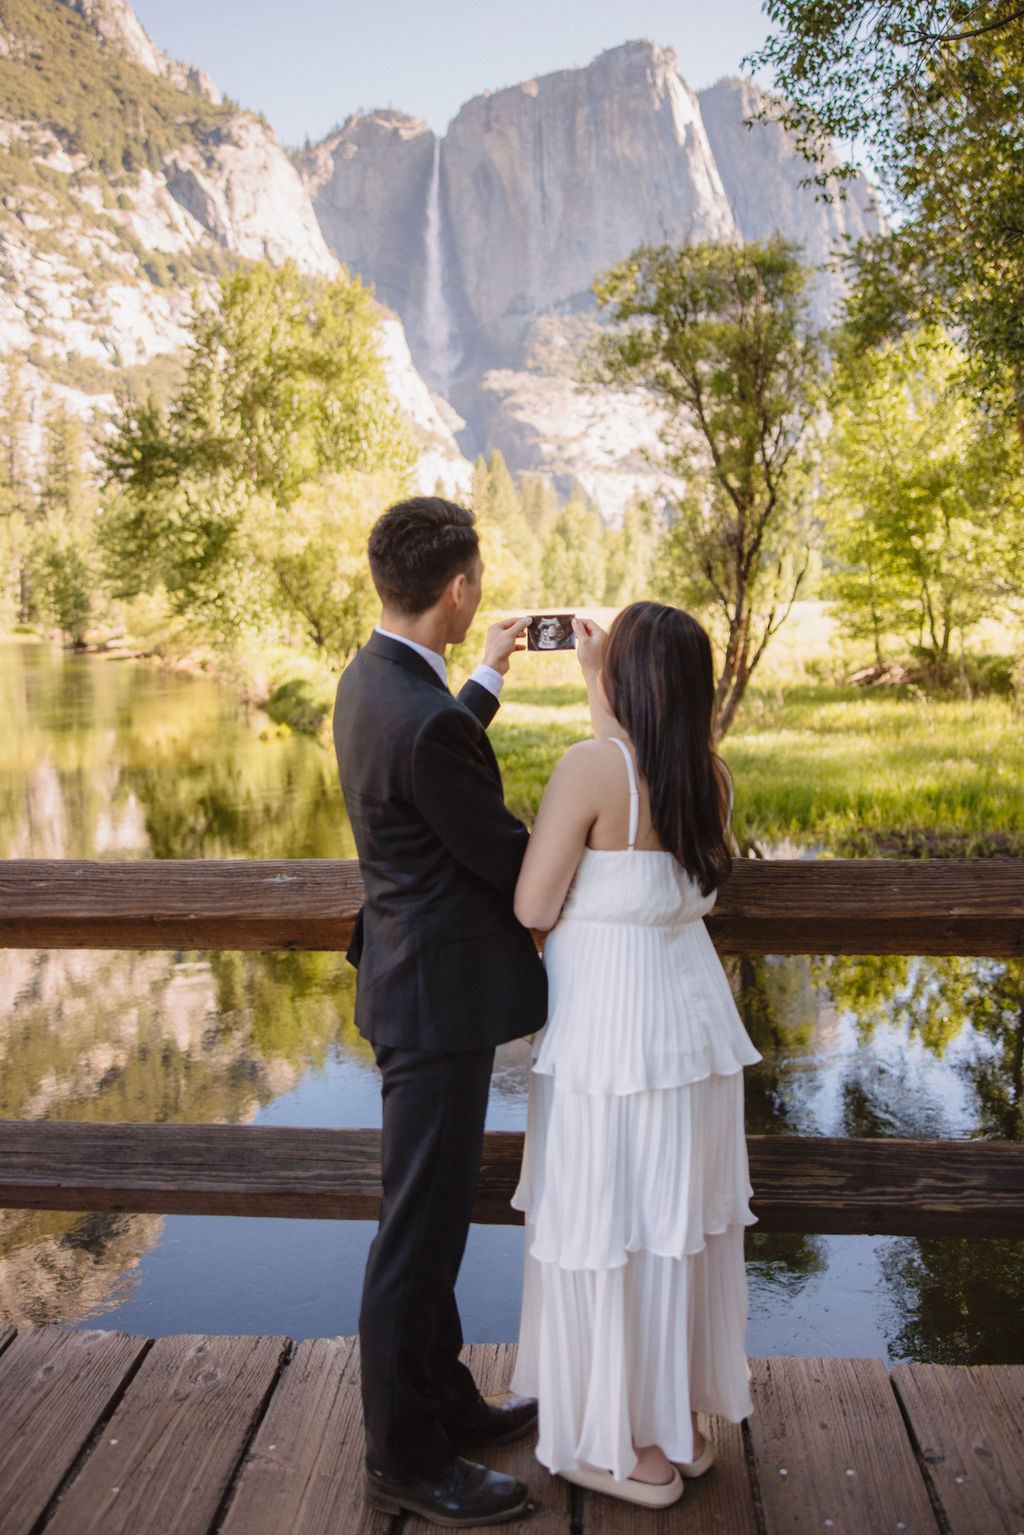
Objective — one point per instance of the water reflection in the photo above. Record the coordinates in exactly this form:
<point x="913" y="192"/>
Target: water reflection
<point x="113" y="760"/>
<point x="905" y="1047"/>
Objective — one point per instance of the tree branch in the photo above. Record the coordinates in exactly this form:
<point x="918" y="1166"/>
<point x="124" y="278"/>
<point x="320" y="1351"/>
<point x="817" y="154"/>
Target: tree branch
<point x="963" y="37"/>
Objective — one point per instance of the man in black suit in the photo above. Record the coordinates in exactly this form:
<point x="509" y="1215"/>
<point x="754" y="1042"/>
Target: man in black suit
<point x="445" y="973"/>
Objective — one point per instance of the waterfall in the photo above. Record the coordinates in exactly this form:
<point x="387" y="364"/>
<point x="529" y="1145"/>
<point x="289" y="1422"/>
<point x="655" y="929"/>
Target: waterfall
<point x="437" y="326"/>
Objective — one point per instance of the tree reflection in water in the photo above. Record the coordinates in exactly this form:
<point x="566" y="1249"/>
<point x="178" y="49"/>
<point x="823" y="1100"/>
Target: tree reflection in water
<point x="112" y="760"/>
<point x="934" y="1049"/>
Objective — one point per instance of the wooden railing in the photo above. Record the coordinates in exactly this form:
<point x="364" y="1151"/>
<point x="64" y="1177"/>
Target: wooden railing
<point x="912" y="1188"/>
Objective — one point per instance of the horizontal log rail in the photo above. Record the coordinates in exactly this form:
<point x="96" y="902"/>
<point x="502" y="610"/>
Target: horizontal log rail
<point x="801" y="1184"/>
<point x="824" y="906"/>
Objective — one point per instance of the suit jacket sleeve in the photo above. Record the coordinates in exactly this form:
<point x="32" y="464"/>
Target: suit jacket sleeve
<point x="480" y="700"/>
<point x="457" y="789"/>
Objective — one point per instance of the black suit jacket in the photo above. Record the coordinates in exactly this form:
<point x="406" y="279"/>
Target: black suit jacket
<point x="443" y="963"/>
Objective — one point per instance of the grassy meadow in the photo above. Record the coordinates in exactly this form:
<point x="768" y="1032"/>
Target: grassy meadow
<point x="819" y="765"/>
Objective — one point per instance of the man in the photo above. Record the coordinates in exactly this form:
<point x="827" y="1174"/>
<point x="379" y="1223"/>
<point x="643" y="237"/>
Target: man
<point x="445" y="973"/>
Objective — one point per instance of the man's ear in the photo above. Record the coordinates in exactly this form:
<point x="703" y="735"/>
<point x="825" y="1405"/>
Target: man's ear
<point x="455" y="591"/>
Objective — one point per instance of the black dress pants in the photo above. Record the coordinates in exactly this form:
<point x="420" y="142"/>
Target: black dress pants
<point x="414" y="1385"/>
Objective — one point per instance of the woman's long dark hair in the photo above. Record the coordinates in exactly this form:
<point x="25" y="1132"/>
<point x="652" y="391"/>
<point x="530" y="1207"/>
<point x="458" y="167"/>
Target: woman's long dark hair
<point x="657" y="674"/>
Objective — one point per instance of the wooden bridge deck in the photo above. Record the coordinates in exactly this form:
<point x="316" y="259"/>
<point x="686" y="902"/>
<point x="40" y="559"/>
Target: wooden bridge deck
<point x="106" y="1434"/>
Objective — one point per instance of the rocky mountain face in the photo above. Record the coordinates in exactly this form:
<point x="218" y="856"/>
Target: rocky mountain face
<point x="545" y="183"/>
<point x="480" y="238"/>
<point x="762" y="180"/>
<point x="98" y="264"/>
<point x="117" y="26"/>
<point x="483" y="243"/>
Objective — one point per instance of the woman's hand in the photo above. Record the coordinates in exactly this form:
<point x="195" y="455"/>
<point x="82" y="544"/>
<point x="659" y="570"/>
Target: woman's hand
<point x="590" y="638"/>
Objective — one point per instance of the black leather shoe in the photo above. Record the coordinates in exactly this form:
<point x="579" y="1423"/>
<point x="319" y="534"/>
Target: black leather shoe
<point x="459" y="1495"/>
<point x="499" y="1420"/>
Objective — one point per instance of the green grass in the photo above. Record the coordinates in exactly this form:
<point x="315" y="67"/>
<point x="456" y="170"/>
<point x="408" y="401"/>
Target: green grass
<point x="818" y="766"/>
<point x="823" y="767"/>
<point x="856" y="772"/>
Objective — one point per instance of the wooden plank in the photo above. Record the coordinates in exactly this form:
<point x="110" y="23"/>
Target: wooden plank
<point x="720" y="1503"/>
<point x="887" y="1187"/>
<point x="56" y="1386"/>
<point x="872" y="906"/>
<point x="966" y="1422"/>
<point x="8" y="1334"/>
<point x="492" y="1365"/>
<point x="190" y="1169"/>
<point x="831" y="1451"/>
<point x="304" y="1471"/>
<point x="798" y="906"/>
<point x="802" y="1184"/>
<point x="301" y="903"/>
<point x="168" y="1455"/>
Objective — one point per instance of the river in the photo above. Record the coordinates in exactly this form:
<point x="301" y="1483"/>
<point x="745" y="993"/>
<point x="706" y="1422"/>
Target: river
<point x="105" y="758"/>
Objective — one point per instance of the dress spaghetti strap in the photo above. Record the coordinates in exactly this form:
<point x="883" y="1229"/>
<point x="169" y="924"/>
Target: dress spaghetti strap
<point x="634" y="793"/>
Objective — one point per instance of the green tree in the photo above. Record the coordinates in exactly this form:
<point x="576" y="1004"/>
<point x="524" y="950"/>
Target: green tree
<point x="926" y="514"/>
<point x="314" y="553"/>
<point x="62" y="552"/>
<point x="572" y="566"/>
<point x="540" y="502"/>
<point x="65" y="578"/>
<point x="720" y="336"/>
<point x="632" y="553"/>
<point x="16" y="497"/>
<point x="510" y="548"/>
<point x="932" y="90"/>
<point x="283" y="385"/>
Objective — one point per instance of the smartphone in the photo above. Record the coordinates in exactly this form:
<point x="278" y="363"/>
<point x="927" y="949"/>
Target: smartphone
<point x="551" y="631"/>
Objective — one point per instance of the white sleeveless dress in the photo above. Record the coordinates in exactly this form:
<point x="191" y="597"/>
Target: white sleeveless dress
<point x="634" y="1180"/>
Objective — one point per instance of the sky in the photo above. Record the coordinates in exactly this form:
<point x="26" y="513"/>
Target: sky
<point x="307" y="64"/>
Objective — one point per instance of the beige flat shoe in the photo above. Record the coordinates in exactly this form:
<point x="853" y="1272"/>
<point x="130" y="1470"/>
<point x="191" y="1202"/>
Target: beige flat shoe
<point x="694" y="1468"/>
<point x="646" y="1494"/>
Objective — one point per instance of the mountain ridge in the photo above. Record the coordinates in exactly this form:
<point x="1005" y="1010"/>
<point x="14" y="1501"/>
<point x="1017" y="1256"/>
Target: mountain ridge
<point x="126" y="180"/>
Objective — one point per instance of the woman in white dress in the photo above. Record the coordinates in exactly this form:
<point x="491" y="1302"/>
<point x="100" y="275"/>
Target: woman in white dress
<point x="634" y="1179"/>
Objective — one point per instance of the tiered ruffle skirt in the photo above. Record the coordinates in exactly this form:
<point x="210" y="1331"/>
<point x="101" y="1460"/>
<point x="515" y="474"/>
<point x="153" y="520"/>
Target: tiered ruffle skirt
<point x="635" y="1190"/>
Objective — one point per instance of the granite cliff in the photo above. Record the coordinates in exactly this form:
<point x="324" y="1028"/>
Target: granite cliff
<point x="480" y="238"/>
<point x="125" y="183"/>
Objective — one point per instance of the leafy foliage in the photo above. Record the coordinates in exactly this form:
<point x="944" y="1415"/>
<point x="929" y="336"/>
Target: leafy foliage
<point x="934" y="89"/>
<point x="720" y="336"/>
<point x="926" y="518"/>
<point x="315" y="552"/>
<point x="60" y="565"/>
<point x="283" y="385"/>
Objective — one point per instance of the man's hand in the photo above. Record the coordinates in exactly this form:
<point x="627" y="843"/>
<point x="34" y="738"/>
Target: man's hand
<point x="502" y="640"/>
<point x="590" y="638"/>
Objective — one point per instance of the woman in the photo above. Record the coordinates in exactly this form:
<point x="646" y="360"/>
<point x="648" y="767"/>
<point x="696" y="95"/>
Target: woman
<point x="634" y="1177"/>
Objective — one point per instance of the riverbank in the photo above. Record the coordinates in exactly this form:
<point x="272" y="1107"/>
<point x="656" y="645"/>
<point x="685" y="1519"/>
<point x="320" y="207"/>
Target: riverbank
<point x="820" y="766"/>
<point x="824" y="768"/>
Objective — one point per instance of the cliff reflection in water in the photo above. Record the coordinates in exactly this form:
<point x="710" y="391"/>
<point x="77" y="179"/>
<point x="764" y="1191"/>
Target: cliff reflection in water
<point x="113" y="760"/>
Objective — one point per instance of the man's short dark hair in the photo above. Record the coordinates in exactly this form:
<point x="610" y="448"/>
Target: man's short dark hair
<point x="416" y="547"/>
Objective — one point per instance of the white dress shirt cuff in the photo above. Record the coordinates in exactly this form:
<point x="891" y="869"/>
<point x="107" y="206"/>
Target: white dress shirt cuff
<point x="488" y="678"/>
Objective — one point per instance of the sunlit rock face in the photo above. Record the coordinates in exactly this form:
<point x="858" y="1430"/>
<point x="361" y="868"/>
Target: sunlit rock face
<point x="503" y="225"/>
<point x="368" y="184"/>
<point x="119" y="27"/>
<point x="605" y="440"/>
<point x="97" y="280"/>
<point x="765" y="184"/>
<point x="242" y="189"/>
<point x="547" y="182"/>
